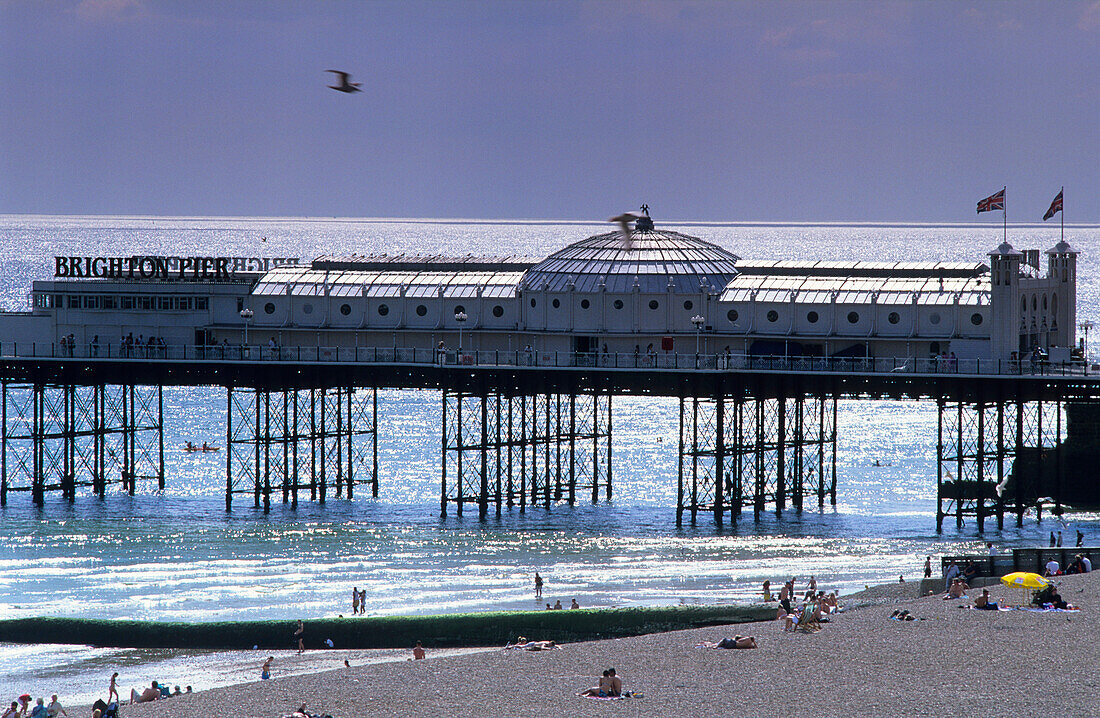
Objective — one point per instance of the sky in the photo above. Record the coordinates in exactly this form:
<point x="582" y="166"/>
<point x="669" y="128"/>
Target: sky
<point x="742" y="112"/>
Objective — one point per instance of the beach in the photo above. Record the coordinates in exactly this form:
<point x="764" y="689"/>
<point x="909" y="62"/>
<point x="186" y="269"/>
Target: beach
<point x="951" y="660"/>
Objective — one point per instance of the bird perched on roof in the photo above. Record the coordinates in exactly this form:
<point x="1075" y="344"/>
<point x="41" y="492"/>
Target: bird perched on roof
<point x="345" y="85"/>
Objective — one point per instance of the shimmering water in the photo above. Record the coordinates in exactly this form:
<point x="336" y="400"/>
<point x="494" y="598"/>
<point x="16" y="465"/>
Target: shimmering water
<point x="179" y="556"/>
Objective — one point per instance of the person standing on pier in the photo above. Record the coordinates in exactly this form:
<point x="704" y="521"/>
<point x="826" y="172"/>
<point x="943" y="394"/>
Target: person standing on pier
<point x="538" y="585"/>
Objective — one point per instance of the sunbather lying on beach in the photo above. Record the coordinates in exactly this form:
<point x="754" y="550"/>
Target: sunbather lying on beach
<point x="737" y="641"/>
<point x="902" y="615"/>
<point x="523" y="644"/>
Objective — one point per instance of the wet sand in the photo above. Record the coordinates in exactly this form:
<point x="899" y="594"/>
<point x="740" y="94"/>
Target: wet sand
<point x="951" y="661"/>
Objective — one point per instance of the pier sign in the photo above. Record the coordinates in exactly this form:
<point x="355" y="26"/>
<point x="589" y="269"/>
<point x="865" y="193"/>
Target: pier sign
<point x="165" y="268"/>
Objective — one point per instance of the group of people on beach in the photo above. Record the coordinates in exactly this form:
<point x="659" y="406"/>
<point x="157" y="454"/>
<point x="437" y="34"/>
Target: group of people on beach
<point x="358" y="601"/>
<point x="539" y="583"/>
<point x="814" y="608"/>
<point x="21" y="708"/>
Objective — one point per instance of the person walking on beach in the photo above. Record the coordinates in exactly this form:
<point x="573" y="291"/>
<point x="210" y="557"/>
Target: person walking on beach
<point x="1059" y="544"/>
<point x="538" y="585"/>
<point x="363" y="601"/>
<point x="1052" y="539"/>
<point x="113" y="690"/>
<point x="355" y="601"/>
<point x="928" y="567"/>
<point x="300" y="634"/>
<point x="265" y="672"/>
<point x="1080" y="538"/>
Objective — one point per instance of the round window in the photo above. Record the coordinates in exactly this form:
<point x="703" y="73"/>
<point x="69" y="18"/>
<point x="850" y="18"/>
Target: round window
<point x="307" y="308"/>
<point x="773" y="316"/>
<point x="421" y="310"/>
<point x="812" y="317"/>
<point x="585" y="304"/>
<point x="555" y="304"/>
<point x="345" y="309"/>
<point x="732" y="315"/>
<point x="935" y="318"/>
<point x="498" y="311"/>
<point x="653" y="304"/>
<point x="269" y="308"/>
<point x="460" y="308"/>
<point x="893" y="318"/>
<point x="976" y="319"/>
<point x="688" y="305"/>
<point x="618" y="304"/>
<point x="383" y="309"/>
<point x="853" y="317"/>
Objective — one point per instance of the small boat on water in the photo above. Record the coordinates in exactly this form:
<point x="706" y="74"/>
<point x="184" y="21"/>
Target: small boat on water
<point x="204" y="448"/>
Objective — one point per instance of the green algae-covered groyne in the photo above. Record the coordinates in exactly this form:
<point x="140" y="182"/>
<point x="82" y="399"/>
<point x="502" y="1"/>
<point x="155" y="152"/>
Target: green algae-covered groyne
<point x="465" y="629"/>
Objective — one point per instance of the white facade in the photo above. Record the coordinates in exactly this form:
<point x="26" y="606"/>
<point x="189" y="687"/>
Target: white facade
<point x="636" y="292"/>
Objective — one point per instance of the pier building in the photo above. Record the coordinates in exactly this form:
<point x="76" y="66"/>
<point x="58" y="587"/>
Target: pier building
<point x="648" y="291"/>
<point x="528" y="354"/>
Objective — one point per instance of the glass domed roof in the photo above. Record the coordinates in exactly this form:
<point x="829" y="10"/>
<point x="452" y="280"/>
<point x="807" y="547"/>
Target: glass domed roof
<point x="654" y="259"/>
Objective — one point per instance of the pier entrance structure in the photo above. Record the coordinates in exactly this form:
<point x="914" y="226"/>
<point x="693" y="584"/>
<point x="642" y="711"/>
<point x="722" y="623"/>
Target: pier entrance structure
<point x="528" y="355"/>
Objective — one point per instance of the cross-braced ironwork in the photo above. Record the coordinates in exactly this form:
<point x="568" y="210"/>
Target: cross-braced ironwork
<point x="989" y="458"/>
<point x="62" y="437"/>
<point x="292" y="440"/>
<point x="739" y="451"/>
<point x="524" y="450"/>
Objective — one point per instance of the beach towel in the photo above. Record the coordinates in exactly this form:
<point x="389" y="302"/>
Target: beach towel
<point x="624" y="696"/>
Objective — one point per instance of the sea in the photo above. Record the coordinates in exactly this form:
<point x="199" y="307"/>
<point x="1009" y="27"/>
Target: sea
<point x="177" y="555"/>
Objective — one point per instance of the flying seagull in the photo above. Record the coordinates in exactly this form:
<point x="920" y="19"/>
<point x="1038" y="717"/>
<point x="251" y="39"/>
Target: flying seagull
<point x="624" y="221"/>
<point x="344" y="85"/>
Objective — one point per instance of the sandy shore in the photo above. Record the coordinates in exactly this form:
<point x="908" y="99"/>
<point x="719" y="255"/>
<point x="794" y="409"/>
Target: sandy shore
<point x="953" y="661"/>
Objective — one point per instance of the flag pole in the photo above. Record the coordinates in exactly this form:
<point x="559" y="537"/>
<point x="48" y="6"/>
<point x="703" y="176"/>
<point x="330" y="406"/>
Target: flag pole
<point x="1004" y="209"/>
<point x="1061" y="193"/>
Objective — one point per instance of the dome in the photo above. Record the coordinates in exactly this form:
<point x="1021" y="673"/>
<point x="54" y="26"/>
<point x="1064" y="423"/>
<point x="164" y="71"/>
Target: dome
<point x="1062" y="248"/>
<point x="655" y="260"/>
<point x="1004" y="249"/>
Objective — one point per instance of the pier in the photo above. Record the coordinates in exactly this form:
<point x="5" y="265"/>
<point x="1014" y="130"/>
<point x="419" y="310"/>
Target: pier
<point x="523" y="429"/>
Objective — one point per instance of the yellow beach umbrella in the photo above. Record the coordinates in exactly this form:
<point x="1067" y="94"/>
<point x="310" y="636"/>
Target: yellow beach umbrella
<point x="1024" y="579"/>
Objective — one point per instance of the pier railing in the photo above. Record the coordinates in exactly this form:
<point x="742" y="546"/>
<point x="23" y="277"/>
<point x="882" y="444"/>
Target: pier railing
<point x="546" y="359"/>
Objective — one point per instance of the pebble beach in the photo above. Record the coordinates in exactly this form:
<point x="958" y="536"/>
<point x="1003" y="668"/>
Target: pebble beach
<point x="949" y="661"/>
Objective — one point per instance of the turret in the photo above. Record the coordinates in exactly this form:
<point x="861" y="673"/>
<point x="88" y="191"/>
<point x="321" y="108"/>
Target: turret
<point x="1062" y="270"/>
<point x="1004" y="269"/>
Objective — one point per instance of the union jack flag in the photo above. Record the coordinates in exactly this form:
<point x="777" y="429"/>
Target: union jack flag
<point x="1055" y="206"/>
<point x="992" y="202"/>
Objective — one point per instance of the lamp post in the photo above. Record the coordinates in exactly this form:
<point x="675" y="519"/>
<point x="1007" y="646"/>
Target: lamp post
<point x="460" y="317"/>
<point x="698" y="320"/>
<point x="246" y="317"/>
